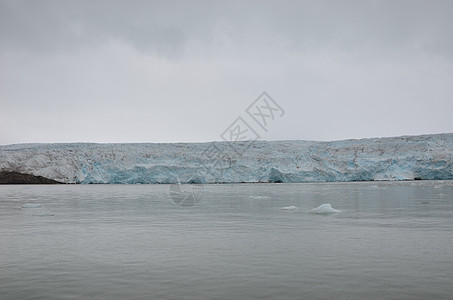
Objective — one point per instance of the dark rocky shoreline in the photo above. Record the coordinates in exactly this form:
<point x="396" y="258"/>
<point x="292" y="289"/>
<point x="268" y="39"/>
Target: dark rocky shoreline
<point x="11" y="177"/>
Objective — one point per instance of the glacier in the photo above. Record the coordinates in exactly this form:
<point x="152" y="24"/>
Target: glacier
<point x="422" y="157"/>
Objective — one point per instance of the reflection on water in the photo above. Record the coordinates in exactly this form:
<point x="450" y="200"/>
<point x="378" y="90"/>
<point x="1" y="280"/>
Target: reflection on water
<point x="390" y="240"/>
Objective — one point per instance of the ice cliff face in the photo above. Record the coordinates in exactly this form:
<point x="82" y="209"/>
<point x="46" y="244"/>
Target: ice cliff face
<point x="400" y="158"/>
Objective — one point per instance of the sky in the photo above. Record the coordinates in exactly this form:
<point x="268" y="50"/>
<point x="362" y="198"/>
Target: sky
<point x="184" y="71"/>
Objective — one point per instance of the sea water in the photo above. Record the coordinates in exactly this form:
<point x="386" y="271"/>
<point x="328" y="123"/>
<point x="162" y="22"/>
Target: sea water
<point x="389" y="240"/>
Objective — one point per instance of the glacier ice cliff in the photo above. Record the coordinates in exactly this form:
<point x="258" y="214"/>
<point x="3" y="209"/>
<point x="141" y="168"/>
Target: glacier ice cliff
<point x="396" y="158"/>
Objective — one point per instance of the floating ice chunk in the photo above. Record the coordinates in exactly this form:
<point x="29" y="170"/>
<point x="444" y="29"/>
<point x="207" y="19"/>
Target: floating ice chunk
<point x="259" y="197"/>
<point x="31" y="205"/>
<point x="324" y="209"/>
<point x="44" y="214"/>
<point x="288" y="208"/>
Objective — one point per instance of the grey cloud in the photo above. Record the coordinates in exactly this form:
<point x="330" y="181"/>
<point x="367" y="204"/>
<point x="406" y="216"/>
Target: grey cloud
<point x="64" y="26"/>
<point x="121" y="71"/>
<point x="167" y="27"/>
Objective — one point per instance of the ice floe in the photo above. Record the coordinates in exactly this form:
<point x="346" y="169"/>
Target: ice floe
<point x="44" y="214"/>
<point x="288" y="208"/>
<point x="31" y="205"/>
<point x="259" y="197"/>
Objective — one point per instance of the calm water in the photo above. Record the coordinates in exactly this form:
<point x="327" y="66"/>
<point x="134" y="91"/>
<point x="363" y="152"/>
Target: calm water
<point x="391" y="240"/>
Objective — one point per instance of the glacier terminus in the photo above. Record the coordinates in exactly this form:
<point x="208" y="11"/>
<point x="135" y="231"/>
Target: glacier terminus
<point x="422" y="157"/>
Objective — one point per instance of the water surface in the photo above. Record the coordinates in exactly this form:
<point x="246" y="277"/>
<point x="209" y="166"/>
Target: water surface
<point x="391" y="240"/>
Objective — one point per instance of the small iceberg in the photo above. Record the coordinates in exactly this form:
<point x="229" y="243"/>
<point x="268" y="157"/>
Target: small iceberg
<point x="288" y="208"/>
<point x="259" y="197"/>
<point x="324" y="209"/>
<point x="31" y="205"/>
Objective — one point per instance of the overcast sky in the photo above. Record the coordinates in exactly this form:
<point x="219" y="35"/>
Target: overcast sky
<point x="170" y="71"/>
